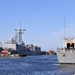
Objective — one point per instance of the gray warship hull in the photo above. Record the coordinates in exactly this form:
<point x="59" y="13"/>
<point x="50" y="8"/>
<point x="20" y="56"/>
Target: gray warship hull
<point x="66" y="56"/>
<point x="30" y="53"/>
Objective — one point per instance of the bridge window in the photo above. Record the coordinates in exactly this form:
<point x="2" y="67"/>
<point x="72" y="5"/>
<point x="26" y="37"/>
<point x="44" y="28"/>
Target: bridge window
<point x="70" y="45"/>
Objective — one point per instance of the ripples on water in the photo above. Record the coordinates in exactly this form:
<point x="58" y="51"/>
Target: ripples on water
<point x="35" y="65"/>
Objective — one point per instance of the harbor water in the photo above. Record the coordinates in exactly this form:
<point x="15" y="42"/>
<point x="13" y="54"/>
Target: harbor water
<point x="35" y="65"/>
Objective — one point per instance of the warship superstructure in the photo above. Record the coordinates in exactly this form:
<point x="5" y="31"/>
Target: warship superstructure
<point x="67" y="53"/>
<point x="17" y="46"/>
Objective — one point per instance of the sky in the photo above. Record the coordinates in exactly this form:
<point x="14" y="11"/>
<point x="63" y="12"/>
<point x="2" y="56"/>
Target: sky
<point x="42" y="19"/>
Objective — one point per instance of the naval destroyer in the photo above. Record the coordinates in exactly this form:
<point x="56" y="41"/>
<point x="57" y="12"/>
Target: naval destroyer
<point x="17" y="46"/>
<point x="67" y="53"/>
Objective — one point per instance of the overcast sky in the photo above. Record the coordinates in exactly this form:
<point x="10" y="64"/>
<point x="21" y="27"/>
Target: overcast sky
<point x="42" y="19"/>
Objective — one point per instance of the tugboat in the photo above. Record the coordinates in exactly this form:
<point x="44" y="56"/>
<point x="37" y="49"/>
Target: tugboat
<point x="67" y="53"/>
<point x="17" y="46"/>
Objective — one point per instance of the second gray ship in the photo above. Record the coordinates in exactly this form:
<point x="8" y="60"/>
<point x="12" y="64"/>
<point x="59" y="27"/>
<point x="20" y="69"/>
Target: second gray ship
<point x="67" y="53"/>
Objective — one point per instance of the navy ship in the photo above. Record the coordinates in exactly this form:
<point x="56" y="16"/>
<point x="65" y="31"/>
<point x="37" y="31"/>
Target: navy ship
<point x="17" y="46"/>
<point x="67" y="53"/>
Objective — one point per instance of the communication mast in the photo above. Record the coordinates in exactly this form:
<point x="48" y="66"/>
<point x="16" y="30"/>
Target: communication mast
<point x="19" y="34"/>
<point x="64" y="28"/>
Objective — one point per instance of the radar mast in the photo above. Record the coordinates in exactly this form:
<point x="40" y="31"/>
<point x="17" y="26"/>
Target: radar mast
<point x="19" y="34"/>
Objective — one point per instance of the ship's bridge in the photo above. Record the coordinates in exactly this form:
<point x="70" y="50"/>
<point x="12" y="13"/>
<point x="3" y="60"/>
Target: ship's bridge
<point x="69" y="42"/>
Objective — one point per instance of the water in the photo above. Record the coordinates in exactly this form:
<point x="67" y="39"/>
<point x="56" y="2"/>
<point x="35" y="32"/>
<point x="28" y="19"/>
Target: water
<point x="35" y="65"/>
